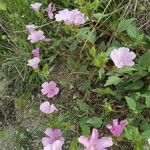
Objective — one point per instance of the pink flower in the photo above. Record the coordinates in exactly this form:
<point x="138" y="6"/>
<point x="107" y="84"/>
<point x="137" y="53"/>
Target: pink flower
<point x="38" y="36"/>
<point x="57" y="145"/>
<point x="76" y="17"/>
<point x="34" y="62"/>
<point x="46" y="108"/>
<point x="50" y="89"/>
<point x="71" y="17"/>
<point x="122" y="57"/>
<point x="95" y="143"/>
<point x="31" y="27"/>
<point x="36" y="6"/>
<point x="50" y="9"/>
<point x="36" y="52"/>
<point x="117" y="128"/>
<point x="62" y="15"/>
<point x="53" y="139"/>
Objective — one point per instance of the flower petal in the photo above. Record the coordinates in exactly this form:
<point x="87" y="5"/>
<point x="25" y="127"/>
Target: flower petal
<point x="46" y="141"/>
<point x="57" y="145"/>
<point x="94" y="136"/>
<point x="84" y="141"/>
<point x="45" y="107"/>
<point x="103" y="143"/>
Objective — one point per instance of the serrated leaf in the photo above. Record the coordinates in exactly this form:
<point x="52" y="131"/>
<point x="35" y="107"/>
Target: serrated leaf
<point x="144" y="60"/>
<point x="85" y="85"/>
<point x="101" y="72"/>
<point x="131" y="104"/>
<point x="84" y="127"/>
<point x="99" y="16"/>
<point x="133" y="31"/>
<point x="136" y="85"/>
<point x="104" y="91"/>
<point x="82" y="105"/>
<point x="95" y="122"/>
<point x="86" y="34"/>
<point x="147" y="99"/>
<point x="112" y="80"/>
<point x="126" y="69"/>
<point x="124" y="24"/>
<point x="71" y="64"/>
<point x="146" y="134"/>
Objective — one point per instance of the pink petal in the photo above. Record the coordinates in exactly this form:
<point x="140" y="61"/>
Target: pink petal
<point x="50" y="95"/>
<point x="44" y="91"/>
<point x="48" y="147"/>
<point x="115" y="122"/>
<point x="46" y="141"/>
<point x="94" y="136"/>
<point x="45" y="85"/>
<point x="52" y="108"/>
<point x="103" y="143"/>
<point x="56" y="90"/>
<point x="57" y="133"/>
<point x="52" y="83"/>
<point x="123" y="123"/>
<point x="132" y="55"/>
<point x="45" y="107"/>
<point x="36" y="6"/>
<point x="57" y="145"/>
<point x="84" y="141"/>
<point x="49" y="132"/>
<point x="109" y="126"/>
<point x="34" y="62"/>
<point x="36" y="52"/>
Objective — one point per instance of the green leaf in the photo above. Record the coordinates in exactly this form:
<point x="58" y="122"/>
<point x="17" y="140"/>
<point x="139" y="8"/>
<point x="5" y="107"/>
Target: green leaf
<point x="101" y="72"/>
<point x="136" y="85"/>
<point x="144" y="60"/>
<point x="104" y="91"/>
<point x="146" y="134"/>
<point x="2" y="5"/>
<point x="86" y="34"/>
<point x="131" y="104"/>
<point x="84" y="127"/>
<point x="125" y="24"/>
<point x="82" y="105"/>
<point x="112" y="80"/>
<point x="99" y="16"/>
<point x="71" y="64"/>
<point x="92" y="52"/>
<point x="85" y="85"/>
<point x="126" y="70"/>
<point x="65" y="82"/>
<point x="95" y="122"/>
<point x="133" y="32"/>
<point x="100" y="60"/>
<point x="147" y="99"/>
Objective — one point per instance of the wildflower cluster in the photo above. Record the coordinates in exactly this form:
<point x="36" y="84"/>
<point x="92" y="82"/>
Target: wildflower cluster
<point x="121" y="57"/>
